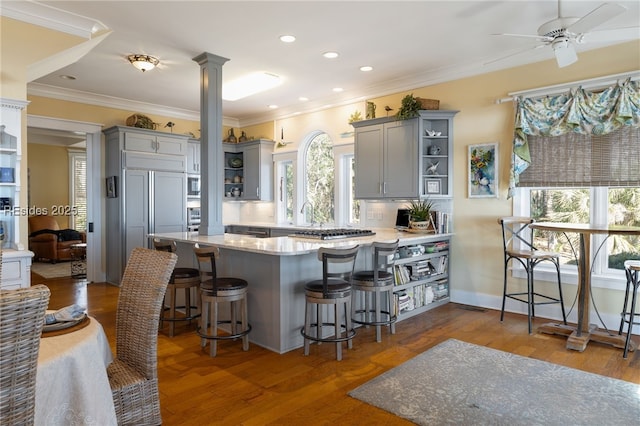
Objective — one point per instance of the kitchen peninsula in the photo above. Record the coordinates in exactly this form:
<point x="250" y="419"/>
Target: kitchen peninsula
<point x="277" y="268"/>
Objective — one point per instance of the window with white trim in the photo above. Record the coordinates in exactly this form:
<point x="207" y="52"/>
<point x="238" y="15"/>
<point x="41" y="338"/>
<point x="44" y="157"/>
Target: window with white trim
<point x="78" y="189"/>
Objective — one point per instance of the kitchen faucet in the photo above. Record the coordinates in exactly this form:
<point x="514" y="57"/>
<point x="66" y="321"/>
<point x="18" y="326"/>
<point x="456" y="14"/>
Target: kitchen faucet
<point x="310" y="204"/>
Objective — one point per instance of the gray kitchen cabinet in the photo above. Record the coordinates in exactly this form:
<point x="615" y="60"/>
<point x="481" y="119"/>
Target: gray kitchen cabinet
<point x="149" y="197"/>
<point x="248" y="170"/>
<point x="136" y="139"/>
<point x="385" y="159"/>
<point x="193" y="157"/>
<point x="399" y="159"/>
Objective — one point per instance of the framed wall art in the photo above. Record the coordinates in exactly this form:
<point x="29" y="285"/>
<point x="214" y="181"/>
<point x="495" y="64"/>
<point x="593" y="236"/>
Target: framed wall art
<point x="483" y="170"/>
<point x="432" y="186"/>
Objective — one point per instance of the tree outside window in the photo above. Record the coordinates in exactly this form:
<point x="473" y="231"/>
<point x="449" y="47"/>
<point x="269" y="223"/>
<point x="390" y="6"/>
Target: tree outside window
<point x="320" y="180"/>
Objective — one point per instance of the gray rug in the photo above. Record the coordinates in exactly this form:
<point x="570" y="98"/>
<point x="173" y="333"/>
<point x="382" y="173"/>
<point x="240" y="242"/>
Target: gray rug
<point x="464" y="384"/>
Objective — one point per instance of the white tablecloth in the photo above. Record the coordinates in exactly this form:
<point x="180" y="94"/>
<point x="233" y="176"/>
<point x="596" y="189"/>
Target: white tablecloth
<point x="72" y="387"/>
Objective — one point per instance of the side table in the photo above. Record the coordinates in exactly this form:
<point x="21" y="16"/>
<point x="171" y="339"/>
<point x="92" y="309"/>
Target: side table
<point x="79" y="260"/>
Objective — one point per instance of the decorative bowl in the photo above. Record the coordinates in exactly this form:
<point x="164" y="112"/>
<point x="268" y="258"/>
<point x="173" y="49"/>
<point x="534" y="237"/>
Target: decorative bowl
<point x="235" y="162"/>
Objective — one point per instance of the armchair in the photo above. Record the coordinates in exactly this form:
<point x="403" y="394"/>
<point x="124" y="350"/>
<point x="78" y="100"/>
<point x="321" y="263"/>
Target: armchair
<point x="47" y="241"/>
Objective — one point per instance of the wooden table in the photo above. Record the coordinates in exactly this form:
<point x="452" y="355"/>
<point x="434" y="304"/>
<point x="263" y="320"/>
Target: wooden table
<point x="579" y="336"/>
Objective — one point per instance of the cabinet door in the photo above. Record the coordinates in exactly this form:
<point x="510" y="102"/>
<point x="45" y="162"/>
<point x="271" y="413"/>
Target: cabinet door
<point x="169" y="202"/>
<point x="251" y="186"/>
<point x="170" y="145"/>
<point x="139" y="142"/>
<point x="136" y="211"/>
<point x="193" y="157"/>
<point x="401" y="159"/>
<point x="368" y="161"/>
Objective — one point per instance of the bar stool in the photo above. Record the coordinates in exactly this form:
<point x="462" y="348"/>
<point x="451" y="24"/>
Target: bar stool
<point x="375" y="284"/>
<point x="181" y="278"/>
<point x="516" y="230"/>
<point x="333" y="289"/>
<point x="632" y="270"/>
<point x="216" y="290"/>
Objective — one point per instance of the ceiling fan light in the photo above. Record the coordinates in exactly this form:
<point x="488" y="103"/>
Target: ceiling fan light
<point x="143" y="62"/>
<point x="565" y="52"/>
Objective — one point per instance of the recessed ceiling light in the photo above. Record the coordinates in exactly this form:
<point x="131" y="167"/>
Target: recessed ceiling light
<point x="330" y="55"/>
<point x="366" y="68"/>
<point x="338" y="89"/>
<point x="67" y="77"/>
<point x="273" y="106"/>
<point x="249" y="85"/>
<point x="303" y="99"/>
<point x="287" y="38"/>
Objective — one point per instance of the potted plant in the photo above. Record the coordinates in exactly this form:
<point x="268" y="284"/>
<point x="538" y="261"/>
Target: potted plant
<point x="420" y="215"/>
<point x="409" y="107"/>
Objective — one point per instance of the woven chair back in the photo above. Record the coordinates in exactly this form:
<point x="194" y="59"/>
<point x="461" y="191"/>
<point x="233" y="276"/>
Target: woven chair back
<point x="21" y="319"/>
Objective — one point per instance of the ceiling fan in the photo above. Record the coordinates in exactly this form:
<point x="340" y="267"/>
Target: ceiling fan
<point x="563" y="33"/>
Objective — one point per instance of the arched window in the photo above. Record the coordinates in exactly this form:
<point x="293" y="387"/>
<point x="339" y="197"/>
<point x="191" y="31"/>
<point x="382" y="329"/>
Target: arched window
<point x="319" y="188"/>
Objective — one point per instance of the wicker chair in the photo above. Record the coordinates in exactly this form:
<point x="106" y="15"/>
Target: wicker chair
<point x="21" y="320"/>
<point x="133" y="375"/>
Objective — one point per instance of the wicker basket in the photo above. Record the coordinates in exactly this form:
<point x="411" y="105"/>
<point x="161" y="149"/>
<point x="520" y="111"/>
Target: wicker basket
<point x="429" y="103"/>
<point x="141" y="121"/>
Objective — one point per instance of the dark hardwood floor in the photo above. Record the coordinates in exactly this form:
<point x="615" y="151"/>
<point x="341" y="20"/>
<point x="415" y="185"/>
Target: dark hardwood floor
<point x="260" y="387"/>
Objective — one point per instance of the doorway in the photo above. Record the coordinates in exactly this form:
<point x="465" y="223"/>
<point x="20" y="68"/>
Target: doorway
<point x="74" y="132"/>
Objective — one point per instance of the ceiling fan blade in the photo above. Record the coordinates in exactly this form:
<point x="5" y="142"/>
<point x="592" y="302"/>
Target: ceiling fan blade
<point x="545" y="39"/>
<point x="596" y="17"/>
<point x="565" y="52"/>
<point x="617" y="34"/>
<point x="517" y="52"/>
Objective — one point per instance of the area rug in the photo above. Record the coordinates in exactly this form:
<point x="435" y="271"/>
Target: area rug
<point x="464" y="384"/>
<point x="52" y="270"/>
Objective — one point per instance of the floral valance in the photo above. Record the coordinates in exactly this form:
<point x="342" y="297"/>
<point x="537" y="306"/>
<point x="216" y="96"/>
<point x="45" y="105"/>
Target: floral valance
<point x="578" y="111"/>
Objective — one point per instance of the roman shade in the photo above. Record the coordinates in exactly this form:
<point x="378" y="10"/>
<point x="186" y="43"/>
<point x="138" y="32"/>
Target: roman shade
<point x="558" y="120"/>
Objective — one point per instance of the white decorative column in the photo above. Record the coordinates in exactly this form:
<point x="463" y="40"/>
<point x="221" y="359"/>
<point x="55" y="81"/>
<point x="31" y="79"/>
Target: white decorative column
<point x="212" y="156"/>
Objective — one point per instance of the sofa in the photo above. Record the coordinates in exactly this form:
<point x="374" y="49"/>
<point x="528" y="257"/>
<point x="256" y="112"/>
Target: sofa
<point x="48" y="242"/>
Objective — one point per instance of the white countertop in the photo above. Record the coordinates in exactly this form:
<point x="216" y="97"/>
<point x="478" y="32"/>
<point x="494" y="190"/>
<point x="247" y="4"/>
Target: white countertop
<point x="293" y="246"/>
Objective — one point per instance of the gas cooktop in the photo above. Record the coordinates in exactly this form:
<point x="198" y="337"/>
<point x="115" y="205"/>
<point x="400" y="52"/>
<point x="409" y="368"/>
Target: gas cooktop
<point x="332" y="234"/>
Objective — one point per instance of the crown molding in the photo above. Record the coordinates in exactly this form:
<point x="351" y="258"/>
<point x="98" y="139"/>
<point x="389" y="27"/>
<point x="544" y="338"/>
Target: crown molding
<point x="47" y="91"/>
<point x="51" y="17"/>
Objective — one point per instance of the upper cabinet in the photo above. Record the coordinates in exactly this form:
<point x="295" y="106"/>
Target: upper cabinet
<point x="401" y="159"/>
<point x="193" y="157"/>
<point x="248" y="170"/>
<point x="142" y="140"/>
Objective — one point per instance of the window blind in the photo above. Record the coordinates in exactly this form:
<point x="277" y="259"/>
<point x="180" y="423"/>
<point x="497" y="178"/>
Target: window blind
<point x="79" y="190"/>
<point x="575" y="160"/>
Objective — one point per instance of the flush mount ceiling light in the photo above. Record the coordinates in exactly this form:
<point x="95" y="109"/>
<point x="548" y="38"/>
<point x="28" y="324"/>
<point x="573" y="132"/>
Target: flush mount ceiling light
<point x="287" y="38"/>
<point x="143" y="62"/>
<point x="249" y="85"/>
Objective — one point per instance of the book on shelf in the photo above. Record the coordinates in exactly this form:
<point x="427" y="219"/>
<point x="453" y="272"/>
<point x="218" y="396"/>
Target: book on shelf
<point x="440" y="222"/>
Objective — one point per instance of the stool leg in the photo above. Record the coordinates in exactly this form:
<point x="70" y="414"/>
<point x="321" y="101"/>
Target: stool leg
<point x="234" y="316"/>
<point x="631" y="317"/>
<point x="320" y="320"/>
<point x="172" y="310"/>
<point x="376" y="297"/>
<point x="187" y="302"/>
<point x="391" y="310"/>
<point x="307" y="326"/>
<point x="336" y="320"/>
<point x="245" y="324"/>
<point x="347" y="320"/>
<point x="214" y="332"/>
<point x="626" y="301"/>
<point x="204" y="322"/>
<point x="530" y="311"/>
